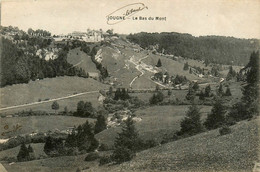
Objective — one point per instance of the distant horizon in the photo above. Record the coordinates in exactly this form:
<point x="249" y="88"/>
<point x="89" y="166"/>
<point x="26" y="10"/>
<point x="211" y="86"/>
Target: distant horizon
<point x="238" y="19"/>
<point x="133" y="33"/>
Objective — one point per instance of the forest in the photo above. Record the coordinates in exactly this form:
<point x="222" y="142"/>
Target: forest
<point x="212" y="49"/>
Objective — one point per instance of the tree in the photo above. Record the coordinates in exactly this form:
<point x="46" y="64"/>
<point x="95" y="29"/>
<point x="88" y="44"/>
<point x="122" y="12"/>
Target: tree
<point x="207" y="91"/>
<point x="110" y="91"/>
<point x="195" y="86"/>
<point x="55" y="106"/>
<point x="88" y="109"/>
<point x="110" y="31"/>
<point x="71" y="140"/>
<point x="191" y="93"/>
<point x="251" y="89"/>
<point x="216" y="118"/>
<point x="117" y="94"/>
<point x="54" y="146"/>
<point x="156" y="98"/>
<point x="190" y="71"/>
<point x="48" y="146"/>
<point x="201" y="95"/>
<point x="66" y="111"/>
<point x="228" y="92"/>
<point x="169" y="92"/>
<point x="231" y="73"/>
<point x="191" y="124"/>
<point x="127" y="142"/>
<point x="23" y="154"/>
<point x="186" y="66"/>
<point x="80" y="108"/>
<point x="100" y="124"/>
<point x="220" y="91"/>
<point x="31" y="153"/>
<point x="159" y="63"/>
<point x="157" y="88"/>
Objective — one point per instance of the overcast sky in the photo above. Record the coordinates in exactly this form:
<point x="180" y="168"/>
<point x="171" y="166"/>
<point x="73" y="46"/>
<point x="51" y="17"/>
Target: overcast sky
<point x="238" y="18"/>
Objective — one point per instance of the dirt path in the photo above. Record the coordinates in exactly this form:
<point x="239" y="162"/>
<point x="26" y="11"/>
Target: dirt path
<point x="137" y="66"/>
<point x="46" y="101"/>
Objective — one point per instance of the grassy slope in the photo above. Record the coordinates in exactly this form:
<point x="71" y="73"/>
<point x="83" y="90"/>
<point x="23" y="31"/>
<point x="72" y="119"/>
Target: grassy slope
<point x="41" y="123"/>
<point x="47" y="89"/>
<point x="156" y="121"/>
<point x="82" y="60"/>
<point x="13" y="152"/>
<point x="204" y="152"/>
<point x="56" y="164"/>
<point x="173" y="67"/>
<point x="115" y="63"/>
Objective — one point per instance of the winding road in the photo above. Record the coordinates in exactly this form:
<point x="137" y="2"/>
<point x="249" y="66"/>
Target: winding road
<point x="137" y="66"/>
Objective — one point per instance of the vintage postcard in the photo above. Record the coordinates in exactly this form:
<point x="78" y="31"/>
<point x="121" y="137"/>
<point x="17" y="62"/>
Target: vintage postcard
<point x="123" y="85"/>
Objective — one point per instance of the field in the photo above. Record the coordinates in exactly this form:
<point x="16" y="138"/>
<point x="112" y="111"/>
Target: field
<point x="203" y="152"/>
<point x="40" y="124"/>
<point x="156" y="121"/>
<point x="13" y="152"/>
<point x="46" y="89"/>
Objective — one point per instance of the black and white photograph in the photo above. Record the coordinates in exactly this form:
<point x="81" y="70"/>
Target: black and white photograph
<point x="123" y="85"/>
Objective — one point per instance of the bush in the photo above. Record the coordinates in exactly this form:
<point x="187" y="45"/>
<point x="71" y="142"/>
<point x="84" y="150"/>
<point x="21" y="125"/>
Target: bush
<point x="224" y="130"/>
<point x="105" y="160"/>
<point x="92" y="156"/>
<point x="103" y="147"/>
<point x="122" y="154"/>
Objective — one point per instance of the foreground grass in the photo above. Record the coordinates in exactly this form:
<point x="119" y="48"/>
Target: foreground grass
<point x="203" y="152"/>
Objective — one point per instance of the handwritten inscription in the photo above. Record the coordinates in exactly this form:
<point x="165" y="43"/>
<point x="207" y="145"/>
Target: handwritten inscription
<point x="124" y="13"/>
<point x="12" y="129"/>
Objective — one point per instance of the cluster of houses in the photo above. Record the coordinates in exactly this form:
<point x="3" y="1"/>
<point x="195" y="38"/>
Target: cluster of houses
<point x="89" y="36"/>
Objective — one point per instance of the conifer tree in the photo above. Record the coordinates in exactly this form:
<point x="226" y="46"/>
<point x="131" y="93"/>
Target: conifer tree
<point x="23" y="154"/>
<point x="207" y="91"/>
<point x="251" y="89"/>
<point x="216" y="118"/>
<point x="220" y="91"/>
<point x="127" y="142"/>
<point x="228" y="92"/>
<point x="191" y="124"/>
<point x="159" y="63"/>
<point x="100" y="124"/>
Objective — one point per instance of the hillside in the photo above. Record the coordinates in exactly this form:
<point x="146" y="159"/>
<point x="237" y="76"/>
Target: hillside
<point x="203" y="152"/>
<point x="82" y="60"/>
<point x="218" y="49"/>
<point x="130" y="66"/>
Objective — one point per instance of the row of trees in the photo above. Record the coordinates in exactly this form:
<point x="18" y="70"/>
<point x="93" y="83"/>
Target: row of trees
<point x="81" y="139"/>
<point x="25" y="153"/>
<point x="121" y="94"/>
<point x="207" y="92"/>
<point x="85" y="109"/>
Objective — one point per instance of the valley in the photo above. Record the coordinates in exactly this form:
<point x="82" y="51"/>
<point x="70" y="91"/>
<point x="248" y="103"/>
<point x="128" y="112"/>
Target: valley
<point x="162" y="112"/>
